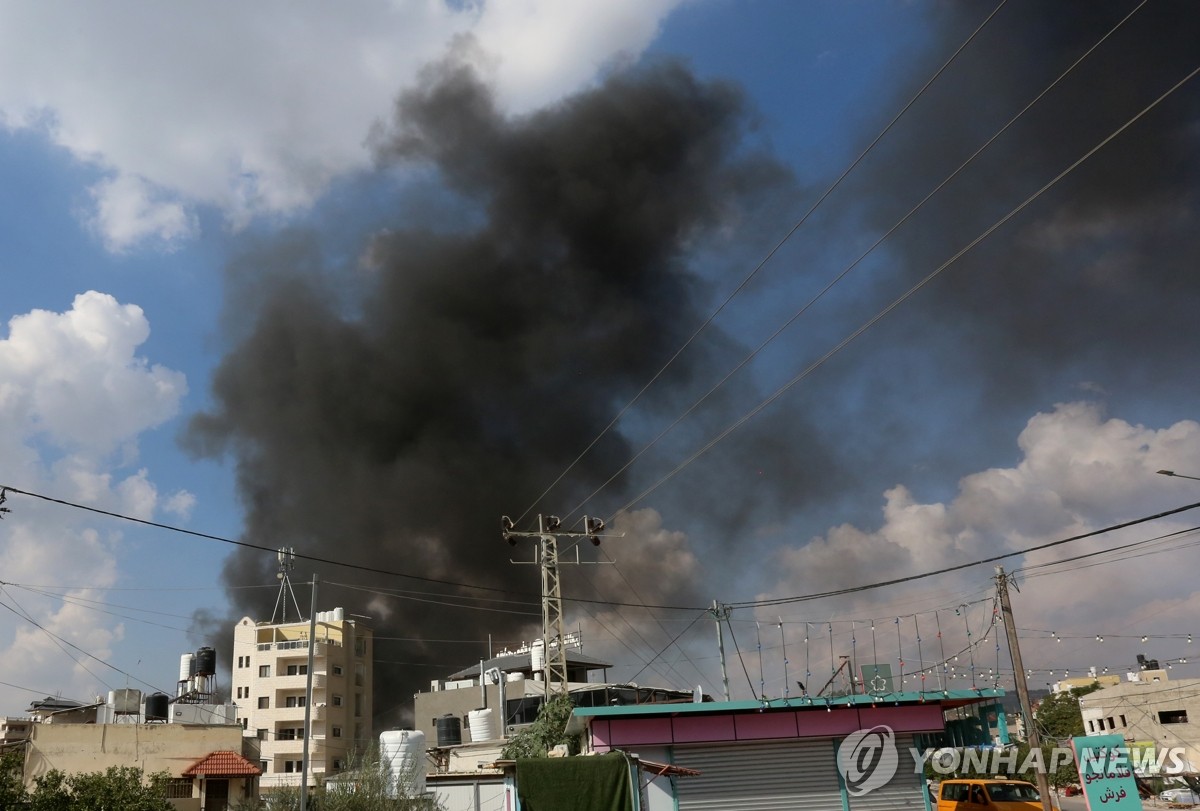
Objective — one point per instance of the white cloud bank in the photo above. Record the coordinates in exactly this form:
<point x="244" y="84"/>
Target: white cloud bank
<point x="74" y="398"/>
<point x="1079" y="472"/>
<point x="255" y="107"/>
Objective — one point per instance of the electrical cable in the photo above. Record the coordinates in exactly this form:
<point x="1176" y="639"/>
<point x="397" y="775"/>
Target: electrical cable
<point x="846" y="270"/>
<point x="960" y="566"/>
<point x="902" y="298"/>
<point x="770" y="254"/>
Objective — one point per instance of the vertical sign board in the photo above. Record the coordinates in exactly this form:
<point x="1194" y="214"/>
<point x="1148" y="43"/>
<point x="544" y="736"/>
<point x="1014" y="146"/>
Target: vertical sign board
<point x="1106" y="773"/>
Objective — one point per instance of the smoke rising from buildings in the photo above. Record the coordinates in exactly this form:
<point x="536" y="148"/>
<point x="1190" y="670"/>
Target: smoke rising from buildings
<point x="390" y="414"/>
<point x="387" y="409"/>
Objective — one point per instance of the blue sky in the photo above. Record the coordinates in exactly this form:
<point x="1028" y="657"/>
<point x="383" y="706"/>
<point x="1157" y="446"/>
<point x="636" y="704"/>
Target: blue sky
<point x="162" y="194"/>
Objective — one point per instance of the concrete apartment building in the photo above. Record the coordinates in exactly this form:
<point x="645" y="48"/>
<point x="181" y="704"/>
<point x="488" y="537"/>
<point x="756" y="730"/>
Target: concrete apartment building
<point x="1150" y="714"/>
<point x="269" y="684"/>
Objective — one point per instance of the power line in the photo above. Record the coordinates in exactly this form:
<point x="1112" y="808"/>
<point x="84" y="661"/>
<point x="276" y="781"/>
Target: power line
<point x="770" y="254"/>
<point x="904" y="297"/>
<point x="957" y="567"/>
<point x="850" y="267"/>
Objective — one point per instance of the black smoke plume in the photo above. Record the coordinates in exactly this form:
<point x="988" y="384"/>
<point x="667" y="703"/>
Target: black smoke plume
<point x="387" y="411"/>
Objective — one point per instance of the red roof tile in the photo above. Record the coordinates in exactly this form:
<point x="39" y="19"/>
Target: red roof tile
<point x="222" y="764"/>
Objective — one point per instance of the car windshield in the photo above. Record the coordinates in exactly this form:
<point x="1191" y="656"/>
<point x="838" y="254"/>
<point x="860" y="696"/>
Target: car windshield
<point x="1012" y="792"/>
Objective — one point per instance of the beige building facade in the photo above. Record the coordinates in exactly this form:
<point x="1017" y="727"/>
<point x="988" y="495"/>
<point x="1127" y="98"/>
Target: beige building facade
<point x="269" y="684"/>
<point x="171" y="748"/>
<point x="1158" y="714"/>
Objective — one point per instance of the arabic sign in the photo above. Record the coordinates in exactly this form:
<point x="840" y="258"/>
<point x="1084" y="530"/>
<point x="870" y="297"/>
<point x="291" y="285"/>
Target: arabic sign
<point x="1106" y="774"/>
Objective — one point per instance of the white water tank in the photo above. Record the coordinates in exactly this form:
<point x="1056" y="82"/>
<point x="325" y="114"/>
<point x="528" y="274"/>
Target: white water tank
<point x="402" y="752"/>
<point x="537" y="658"/>
<point x="185" y="667"/>
<point x="482" y="724"/>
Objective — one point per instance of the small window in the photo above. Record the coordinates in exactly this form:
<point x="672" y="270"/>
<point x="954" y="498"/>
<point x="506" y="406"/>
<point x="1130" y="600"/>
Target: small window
<point x="287" y="734"/>
<point x="337" y="701"/>
<point x="1111" y="725"/>
<point x="1172" y="717"/>
<point x="1091" y="727"/>
<point x="264" y="703"/>
<point x="336" y="732"/>
<point x="245" y="723"/>
<point x="337" y="670"/>
<point x="264" y="671"/>
<point x="262" y="765"/>
<point x="337" y="765"/>
<point x="360" y="647"/>
<point x="179" y="788"/>
<point x="1124" y="723"/>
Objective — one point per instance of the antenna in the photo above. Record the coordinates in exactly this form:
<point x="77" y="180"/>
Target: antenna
<point x="287" y="561"/>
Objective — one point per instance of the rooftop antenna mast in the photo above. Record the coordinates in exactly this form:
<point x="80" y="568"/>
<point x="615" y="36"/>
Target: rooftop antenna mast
<point x="287" y="562"/>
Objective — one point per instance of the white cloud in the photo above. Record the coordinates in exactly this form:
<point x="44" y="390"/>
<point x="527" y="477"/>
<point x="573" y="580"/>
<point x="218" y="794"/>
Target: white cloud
<point x="1080" y="472"/>
<point x="254" y="107"/>
<point x="74" y="400"/>
<point x="74" y="379"/>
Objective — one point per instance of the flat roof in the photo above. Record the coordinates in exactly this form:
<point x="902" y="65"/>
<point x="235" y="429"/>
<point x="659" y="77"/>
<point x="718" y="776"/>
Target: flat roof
<point x="946" y="698"/>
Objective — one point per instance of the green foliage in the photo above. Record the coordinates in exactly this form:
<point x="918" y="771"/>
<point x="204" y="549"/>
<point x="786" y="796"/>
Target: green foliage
<point x="119" y="788"/>
<point x="548" y="731"/>
<point x="12" y="786"/>
<point x="1058" y="715"/>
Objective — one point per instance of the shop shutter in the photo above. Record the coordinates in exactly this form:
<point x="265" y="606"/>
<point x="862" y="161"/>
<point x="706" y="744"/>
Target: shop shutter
<point x="796" y="775"/>
<point x="904" y="792"/>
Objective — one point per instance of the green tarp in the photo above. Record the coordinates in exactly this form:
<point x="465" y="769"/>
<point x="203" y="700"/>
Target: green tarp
<point x="583" y="783"/>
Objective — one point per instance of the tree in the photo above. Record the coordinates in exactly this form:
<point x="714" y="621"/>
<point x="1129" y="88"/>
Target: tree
<point x="12" y="772"/>
<point x="545" y="733"/>
<point x="119" y="788"/>
<point x="1059" y="716"/>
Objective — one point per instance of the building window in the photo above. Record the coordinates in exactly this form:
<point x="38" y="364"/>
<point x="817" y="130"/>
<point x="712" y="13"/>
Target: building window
<point x="360" y="647"/>
<point x="337" y="700"/>
<point x="294" y="701"/>
<point x="336" y="732"/>
<point x="297" y="670"/>
<point x="261" y="733"/>
<point x="179" y="788"/>
<point x="1111" y="725"/>
<point x="264" y="671"/>
<point x="1172" y="717"/>
<point x="286" y="734"/>
<point x="337" y="765"/>
<point x="337" y="670"/>
<point x="245" y="723"/>
<point x="264" y="703"/>
<point x="262" y="765"/>
<point x="358" y="702"/>
<point x="1123" y="722"/>
<point x="293" y="765"/>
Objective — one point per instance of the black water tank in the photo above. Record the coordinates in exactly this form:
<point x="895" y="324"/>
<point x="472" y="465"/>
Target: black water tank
<point x="158" y="707"/>
<point x="205" y="662"/>
<point x="449" y="730"/>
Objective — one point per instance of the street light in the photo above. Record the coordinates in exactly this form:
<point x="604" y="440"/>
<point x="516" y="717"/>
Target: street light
<point x="1177" y="475"/>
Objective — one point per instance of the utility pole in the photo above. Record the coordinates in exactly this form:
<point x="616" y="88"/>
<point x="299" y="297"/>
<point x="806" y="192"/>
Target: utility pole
<point x="721" y="613"/>
<point x="1014" y="650"/>
<point x="308" y="684"/>
<point x="553" y="640"/>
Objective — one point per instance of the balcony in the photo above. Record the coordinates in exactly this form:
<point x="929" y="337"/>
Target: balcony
<point x="299" y="682"/>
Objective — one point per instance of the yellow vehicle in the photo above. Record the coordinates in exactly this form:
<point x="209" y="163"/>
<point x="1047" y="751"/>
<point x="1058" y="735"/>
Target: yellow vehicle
<point x="998" y="795"/>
